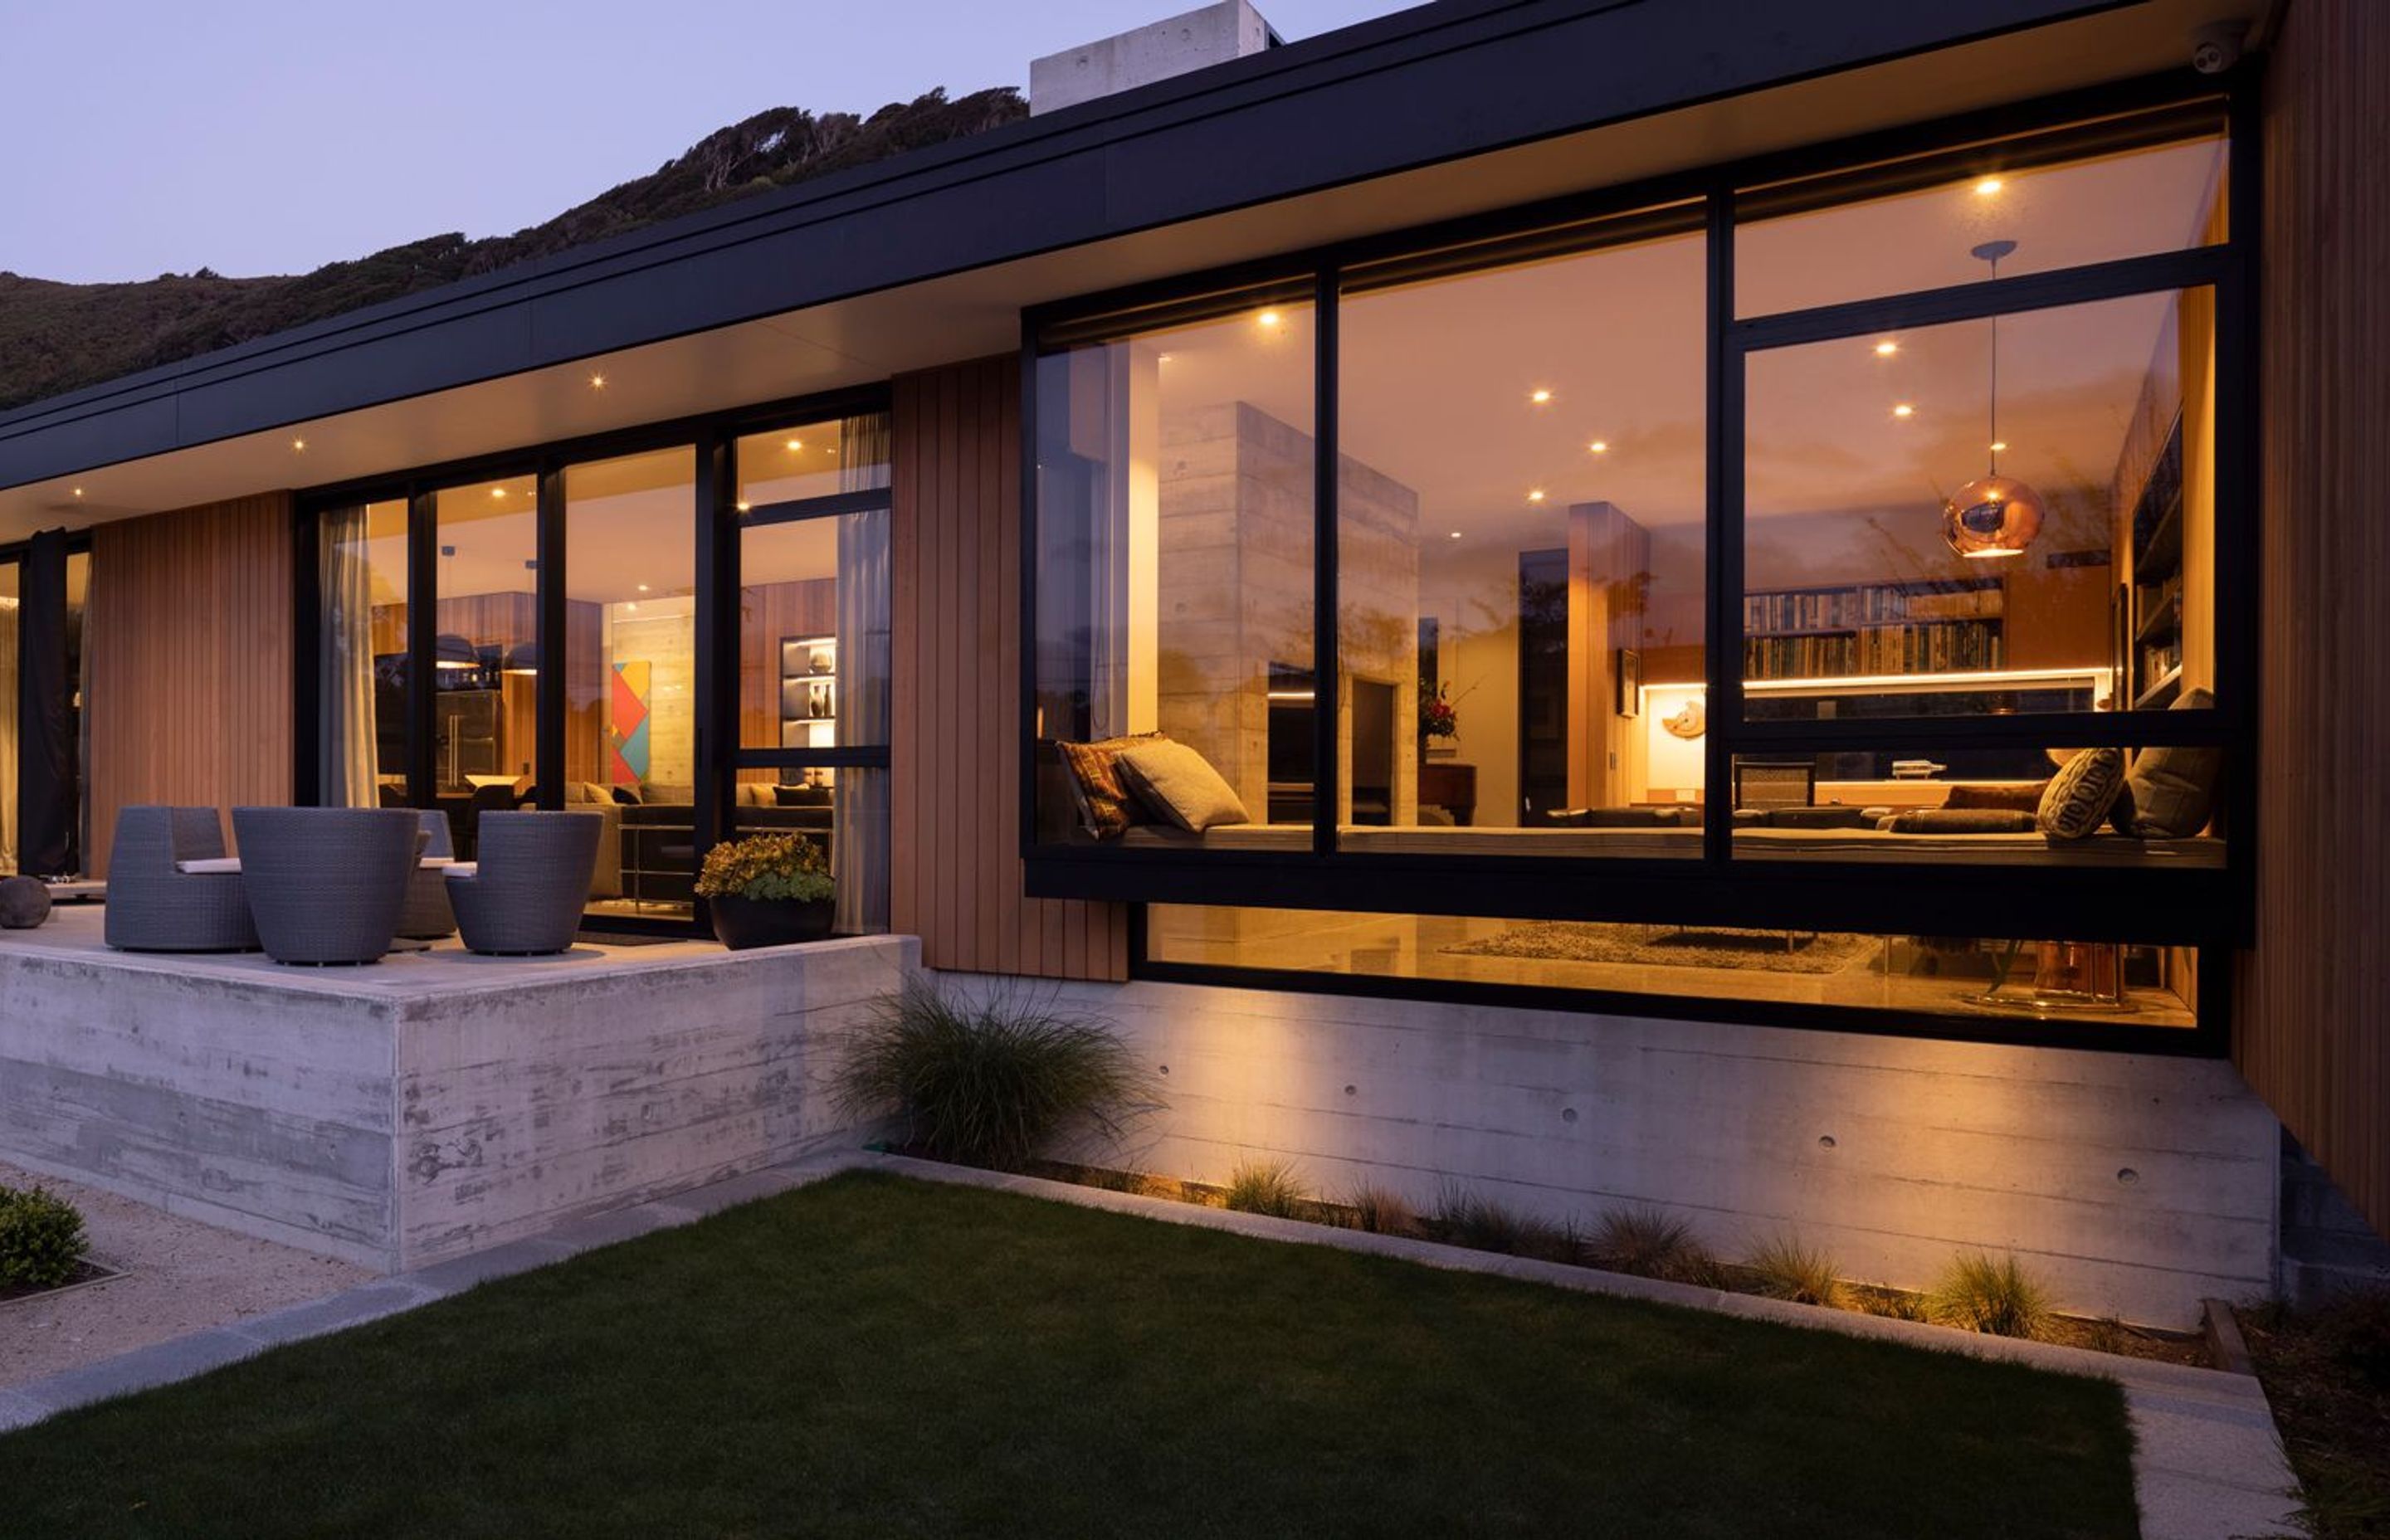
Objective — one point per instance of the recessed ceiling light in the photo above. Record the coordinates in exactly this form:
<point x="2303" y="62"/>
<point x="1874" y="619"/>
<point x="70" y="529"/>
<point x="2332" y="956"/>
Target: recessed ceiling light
<point x="1600" y="446"/>
<point x="1904" y="410"/>
<point x="1886" y="348"/>
<point x="643" y="589"/>
<point x="1269" y="317"/>
<point x="78" y="492"/>
<point x="632" y="605"/>
<point x="1537" y="495"/>
<point x="597" y="381"/>
<point x="298" y="446"/>
<point x="1456" y="534"/>
<point x="1989" y="185"/>
<point x="2000" y="447"/>
<point x="1541" y="397"/>
<point x="497" y="491"/>
<point x="795" y="444"/>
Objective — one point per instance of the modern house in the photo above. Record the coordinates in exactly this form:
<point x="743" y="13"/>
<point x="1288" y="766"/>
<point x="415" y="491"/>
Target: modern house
<point x="1771" y="610"/>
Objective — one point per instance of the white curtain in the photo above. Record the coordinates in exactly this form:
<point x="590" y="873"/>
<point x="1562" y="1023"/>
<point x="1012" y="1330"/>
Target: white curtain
<point x="859" y="809"/>
<point x="9" y="613"/>
<point x="348" y="740"/>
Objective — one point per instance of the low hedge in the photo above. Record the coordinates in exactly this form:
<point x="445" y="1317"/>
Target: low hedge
<point x="41" y="1238"/>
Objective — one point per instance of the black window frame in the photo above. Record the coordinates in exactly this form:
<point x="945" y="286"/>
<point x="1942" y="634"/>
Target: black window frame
<point x="2211" y="909"/>
<point x="715" y="519"/>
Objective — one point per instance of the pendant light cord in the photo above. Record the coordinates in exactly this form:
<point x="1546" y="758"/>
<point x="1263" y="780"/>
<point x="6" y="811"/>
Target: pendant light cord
<point x="1995" y="413"/>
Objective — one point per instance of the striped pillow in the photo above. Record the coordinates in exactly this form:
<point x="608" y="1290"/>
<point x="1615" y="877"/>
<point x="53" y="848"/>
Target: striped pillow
<point x="2078" y="799"/>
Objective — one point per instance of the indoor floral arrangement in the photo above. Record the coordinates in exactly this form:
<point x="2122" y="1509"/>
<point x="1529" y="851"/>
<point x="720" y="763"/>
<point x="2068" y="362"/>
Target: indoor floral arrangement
<point x="766" y="889"/>
<point x="1437" y="715"/>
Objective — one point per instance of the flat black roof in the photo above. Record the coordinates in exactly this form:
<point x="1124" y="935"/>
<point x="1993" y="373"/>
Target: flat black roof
<point x="1447" y="79"/>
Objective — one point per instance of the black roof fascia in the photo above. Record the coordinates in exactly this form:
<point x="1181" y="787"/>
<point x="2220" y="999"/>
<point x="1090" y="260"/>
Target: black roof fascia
<point x="1324" y="112"/>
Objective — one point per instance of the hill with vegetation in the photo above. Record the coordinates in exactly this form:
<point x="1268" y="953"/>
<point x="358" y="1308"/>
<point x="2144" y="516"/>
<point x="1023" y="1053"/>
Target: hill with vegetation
<point x="60" y="337"/>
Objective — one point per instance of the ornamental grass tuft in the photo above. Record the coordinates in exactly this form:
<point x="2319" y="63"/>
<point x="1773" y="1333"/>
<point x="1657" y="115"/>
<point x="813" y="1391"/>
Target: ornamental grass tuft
<point x="1993" y="1295"/>
<point x="1273" y="1187"/>
<point x="1784" y="1269"/>
<point x="1647" y="1243"/>
<point x="991" y="1080"/>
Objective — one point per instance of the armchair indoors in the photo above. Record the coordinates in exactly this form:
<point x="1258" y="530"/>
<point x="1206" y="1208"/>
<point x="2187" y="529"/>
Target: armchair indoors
<point x="154" y="904"/>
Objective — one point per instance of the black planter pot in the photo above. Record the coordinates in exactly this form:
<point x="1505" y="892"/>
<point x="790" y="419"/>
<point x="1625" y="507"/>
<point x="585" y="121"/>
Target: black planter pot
<point x="740" y="923"/>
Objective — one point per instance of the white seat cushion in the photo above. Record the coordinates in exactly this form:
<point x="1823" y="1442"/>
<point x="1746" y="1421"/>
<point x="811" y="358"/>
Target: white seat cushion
<point x="214" y="866"/>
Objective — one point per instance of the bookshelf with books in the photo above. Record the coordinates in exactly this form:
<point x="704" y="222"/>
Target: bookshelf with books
<point x="2153" y="590"/>
<point x="1929" y="625"/>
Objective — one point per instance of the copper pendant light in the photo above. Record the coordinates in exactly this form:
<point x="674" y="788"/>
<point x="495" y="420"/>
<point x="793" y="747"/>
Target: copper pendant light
<point x="1994" y="514"/>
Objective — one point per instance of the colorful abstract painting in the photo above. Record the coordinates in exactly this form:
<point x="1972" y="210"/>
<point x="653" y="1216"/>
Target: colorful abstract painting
<point x="629" y="719"/>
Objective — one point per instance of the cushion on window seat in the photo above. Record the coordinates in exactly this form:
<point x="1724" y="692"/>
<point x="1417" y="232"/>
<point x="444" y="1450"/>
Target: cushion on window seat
<point x="1178" y="784"/>
<point x="1106" y="809"/>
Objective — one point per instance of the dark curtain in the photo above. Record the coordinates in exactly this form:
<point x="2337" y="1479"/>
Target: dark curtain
<point x="46" y="764"/>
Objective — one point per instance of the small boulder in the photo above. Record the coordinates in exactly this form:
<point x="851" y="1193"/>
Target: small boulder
<point x="24" y="903"/>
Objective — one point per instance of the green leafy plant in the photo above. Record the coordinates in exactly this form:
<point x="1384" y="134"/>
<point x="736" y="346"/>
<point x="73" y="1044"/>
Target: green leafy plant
<point x="1784" y="1268"/>
<point x="1993" y="1295"/>
<point x="1273" y="1187"/>
<point x="768" y="867"/>
<point x="41" y="1238"/>
<point x="1380" y="1211"/>
<point x="990" y="1081"/>
<point x="1648" y="1243"/>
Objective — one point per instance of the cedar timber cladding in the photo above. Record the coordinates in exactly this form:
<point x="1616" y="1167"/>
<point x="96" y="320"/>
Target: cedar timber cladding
<point x="954" y="806"/>
<point x="189" y="635"/>
<point x="2312" y="1017"/>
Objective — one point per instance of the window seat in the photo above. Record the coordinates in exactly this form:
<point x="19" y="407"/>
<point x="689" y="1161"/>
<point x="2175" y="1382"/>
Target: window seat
<point x="1779" y="844"/>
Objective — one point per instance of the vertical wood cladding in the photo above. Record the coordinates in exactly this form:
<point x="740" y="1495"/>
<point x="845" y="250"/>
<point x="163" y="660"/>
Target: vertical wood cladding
<point x="189" y="633"/>
<point x="2312" y="1030"/>
<point x="955" y="818"/>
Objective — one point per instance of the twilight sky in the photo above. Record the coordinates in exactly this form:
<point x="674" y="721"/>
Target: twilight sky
<point x="275" y="136"/>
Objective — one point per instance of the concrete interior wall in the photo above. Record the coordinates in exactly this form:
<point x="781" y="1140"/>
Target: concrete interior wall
<point x="2134" y="1186"/>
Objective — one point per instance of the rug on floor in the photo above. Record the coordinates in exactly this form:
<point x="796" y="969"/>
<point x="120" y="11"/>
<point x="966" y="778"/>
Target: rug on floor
<point x="1670" y="946"/>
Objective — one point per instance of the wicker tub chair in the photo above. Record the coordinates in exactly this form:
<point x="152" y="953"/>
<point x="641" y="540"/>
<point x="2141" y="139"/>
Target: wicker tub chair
<point x="427" y="914"/>
<point x="326" y="885"/>
<point x="525" y="894"/>
<point x="152" y="906"/>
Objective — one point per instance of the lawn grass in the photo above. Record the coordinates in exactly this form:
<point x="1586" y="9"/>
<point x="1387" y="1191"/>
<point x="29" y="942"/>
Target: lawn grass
<point x="876" y="1357"/>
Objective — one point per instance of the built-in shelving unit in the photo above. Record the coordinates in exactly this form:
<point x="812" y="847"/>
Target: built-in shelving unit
<point x="1928" y="625"/>
<point x="808" y="692"/>
<point x="2153" y="660"/>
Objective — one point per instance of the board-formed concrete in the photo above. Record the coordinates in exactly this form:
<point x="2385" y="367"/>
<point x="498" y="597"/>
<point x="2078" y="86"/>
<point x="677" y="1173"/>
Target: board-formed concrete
<point x="2134" y="1186"/>
<point x="428" y="1107"/>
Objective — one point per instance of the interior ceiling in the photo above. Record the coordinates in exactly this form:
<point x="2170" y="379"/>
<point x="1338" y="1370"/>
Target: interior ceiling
<point x="1440" y="380"/>
<point x="872" y="336"/>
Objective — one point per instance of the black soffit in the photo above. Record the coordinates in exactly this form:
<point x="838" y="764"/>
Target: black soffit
<point x="1319" y="114"/>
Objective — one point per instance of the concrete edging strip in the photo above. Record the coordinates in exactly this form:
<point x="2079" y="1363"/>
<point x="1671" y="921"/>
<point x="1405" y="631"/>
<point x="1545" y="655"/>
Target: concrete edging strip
<point x="2208" y="1463"/>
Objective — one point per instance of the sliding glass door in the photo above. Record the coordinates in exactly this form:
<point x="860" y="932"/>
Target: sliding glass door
<point x="689" y="639"/>
<point x="11" y="613"/>
<point x="813" y="644"/>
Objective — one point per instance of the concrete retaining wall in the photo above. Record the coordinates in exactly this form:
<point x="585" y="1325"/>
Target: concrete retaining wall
<point x="2134" y="1185"/>
<point x="428" y="1107"/>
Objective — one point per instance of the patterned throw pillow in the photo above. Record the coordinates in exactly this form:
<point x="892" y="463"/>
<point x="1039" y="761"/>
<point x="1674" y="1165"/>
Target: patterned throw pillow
<point x="2077" y="801"/>
<point x="2019" y="797"/>
<point x="2171" y="792"/>
<point x="1105" y="806"/>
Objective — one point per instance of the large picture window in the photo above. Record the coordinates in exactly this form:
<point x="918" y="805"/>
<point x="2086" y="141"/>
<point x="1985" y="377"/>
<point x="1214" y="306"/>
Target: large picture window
<point x="1841" y="552"/>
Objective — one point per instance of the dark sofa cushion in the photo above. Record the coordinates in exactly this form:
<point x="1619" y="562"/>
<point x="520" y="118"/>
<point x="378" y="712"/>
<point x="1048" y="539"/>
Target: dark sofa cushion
<point x="1958" y="820"/>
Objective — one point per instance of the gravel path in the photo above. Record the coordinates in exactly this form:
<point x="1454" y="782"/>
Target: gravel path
<point x="180" y="1275"/>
